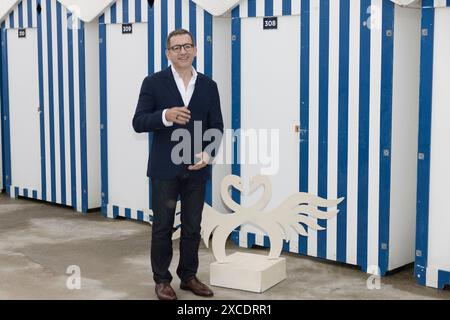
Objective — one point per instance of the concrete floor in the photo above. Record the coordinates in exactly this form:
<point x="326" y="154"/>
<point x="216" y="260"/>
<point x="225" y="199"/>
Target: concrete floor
<point x="38" y="242"/>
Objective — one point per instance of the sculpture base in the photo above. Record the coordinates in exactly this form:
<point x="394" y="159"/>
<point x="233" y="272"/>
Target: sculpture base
<point x="248" y="272"/>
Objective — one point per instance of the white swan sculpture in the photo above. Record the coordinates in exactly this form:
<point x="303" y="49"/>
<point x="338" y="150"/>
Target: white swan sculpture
<point x="298" y="209"/>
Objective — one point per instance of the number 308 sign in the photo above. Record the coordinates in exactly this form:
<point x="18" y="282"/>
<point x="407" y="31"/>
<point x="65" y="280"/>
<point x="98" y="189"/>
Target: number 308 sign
<point x="270" y="23"/>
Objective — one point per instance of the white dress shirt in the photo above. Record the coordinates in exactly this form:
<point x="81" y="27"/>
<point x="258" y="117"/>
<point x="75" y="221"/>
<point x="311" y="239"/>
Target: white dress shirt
<point x="186" y="93"/>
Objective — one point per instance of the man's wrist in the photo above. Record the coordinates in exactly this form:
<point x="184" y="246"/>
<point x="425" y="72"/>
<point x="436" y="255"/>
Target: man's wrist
<point x="164" y="119"/>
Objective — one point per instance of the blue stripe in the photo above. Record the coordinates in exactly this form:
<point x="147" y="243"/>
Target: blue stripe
<point x="151" y="70"/>
<point x="387" y="67"/>
<point x="51" y="102"/>
<point x="424" y="147"/>
<point x="20" y="9"/>
<point x="61" y="105"/>
<point x="251" y="8"/>
<point x="5" y="109"/>
<point x="208" y="55"/>
<point x="71" y="115"/>
<point x="287" y="7"/>
<point x="193" y="24"/>
<point x="304" y="109"/>
<point x="137" y="12"/>
<point x="83" y="135"/>
<point x="178" y="15"/>
<point x="42" y="109"/>
<point x="103" y="118"/>
<point x="268" y="8"/>
<point x="286" y="246"/>
<point x="250" y="239"/>
<point x="151" y="40"/>
<point x="11" y="20"/>
<point x="236" y="95"/>
<point x="30" y="14"/>
<point x="151" y="67"/>
<point x="103" y="123"/>
<point x="322" y="182"/>
<point x="114" y="13"/>
<point x="443" y="279"/>
<point x="140" y="215"/>
<point x="35" y="194"/>
<point x="164" y="33"/>
<point x="125" y="17"/>
<point x="2" y="117"/>
<point x="25" y="192"/>
<point x="344" y="49"/>
<point x="208" y="32"/>
<point x="235" y="237"/>
<point x="363" y="148"/>
<point x="448" y="3"/>
<point x="266" y="242"/>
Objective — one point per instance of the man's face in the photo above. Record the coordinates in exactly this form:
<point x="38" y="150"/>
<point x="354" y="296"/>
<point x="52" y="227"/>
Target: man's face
<point x="183" y="58"/>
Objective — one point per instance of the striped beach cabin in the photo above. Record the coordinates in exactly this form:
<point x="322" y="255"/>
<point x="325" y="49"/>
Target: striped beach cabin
<point x="2" y="168"/>
<point x="50" y="101"/>
<point x="339" y="79"/>
<point x="5" y="7"/>
<point x="432" y="267"/>
<point x="132" y="46"/>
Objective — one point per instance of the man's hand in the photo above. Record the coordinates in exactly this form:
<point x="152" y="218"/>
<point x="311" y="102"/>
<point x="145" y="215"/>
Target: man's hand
<point x="204" y="159"/>
<point x="179" y="115"/>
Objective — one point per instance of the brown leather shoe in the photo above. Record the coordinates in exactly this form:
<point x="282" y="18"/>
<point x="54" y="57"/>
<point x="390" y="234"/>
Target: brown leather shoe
<point x="165" y="292"/>
<point x="196" y="287"/>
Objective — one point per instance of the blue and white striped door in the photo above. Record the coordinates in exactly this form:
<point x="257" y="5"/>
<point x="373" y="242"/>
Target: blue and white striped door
<point x="269" y="117"/>
<point x="60" y="56"/>
<point x="127" y="150"/>
<point x="348" y="126"/>
<point x="24" y="111"/>
<point x="432" y="265"/>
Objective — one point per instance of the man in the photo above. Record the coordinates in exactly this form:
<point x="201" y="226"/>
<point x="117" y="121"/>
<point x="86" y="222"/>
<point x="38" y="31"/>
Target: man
<point x="172" y="99"/>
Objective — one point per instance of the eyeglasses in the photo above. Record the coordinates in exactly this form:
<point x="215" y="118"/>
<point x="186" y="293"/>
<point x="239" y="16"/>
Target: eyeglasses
<point x="187" y="47"/>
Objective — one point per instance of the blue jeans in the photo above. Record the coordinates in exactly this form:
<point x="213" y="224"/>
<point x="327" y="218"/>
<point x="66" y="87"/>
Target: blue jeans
<point x="165" y="194"/>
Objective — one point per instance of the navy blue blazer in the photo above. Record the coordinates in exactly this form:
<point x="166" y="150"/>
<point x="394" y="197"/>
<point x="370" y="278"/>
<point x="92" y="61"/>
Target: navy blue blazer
<point x="158" y="92"/>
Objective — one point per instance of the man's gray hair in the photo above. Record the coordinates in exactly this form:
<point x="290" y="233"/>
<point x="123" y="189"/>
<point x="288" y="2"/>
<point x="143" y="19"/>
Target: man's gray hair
<point x="178" y="32"/>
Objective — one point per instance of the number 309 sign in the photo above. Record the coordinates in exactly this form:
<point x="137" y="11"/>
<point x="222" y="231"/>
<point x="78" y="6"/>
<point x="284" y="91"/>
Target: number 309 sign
<point x="127" y="28"/>
<point x="270" y="23"/>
